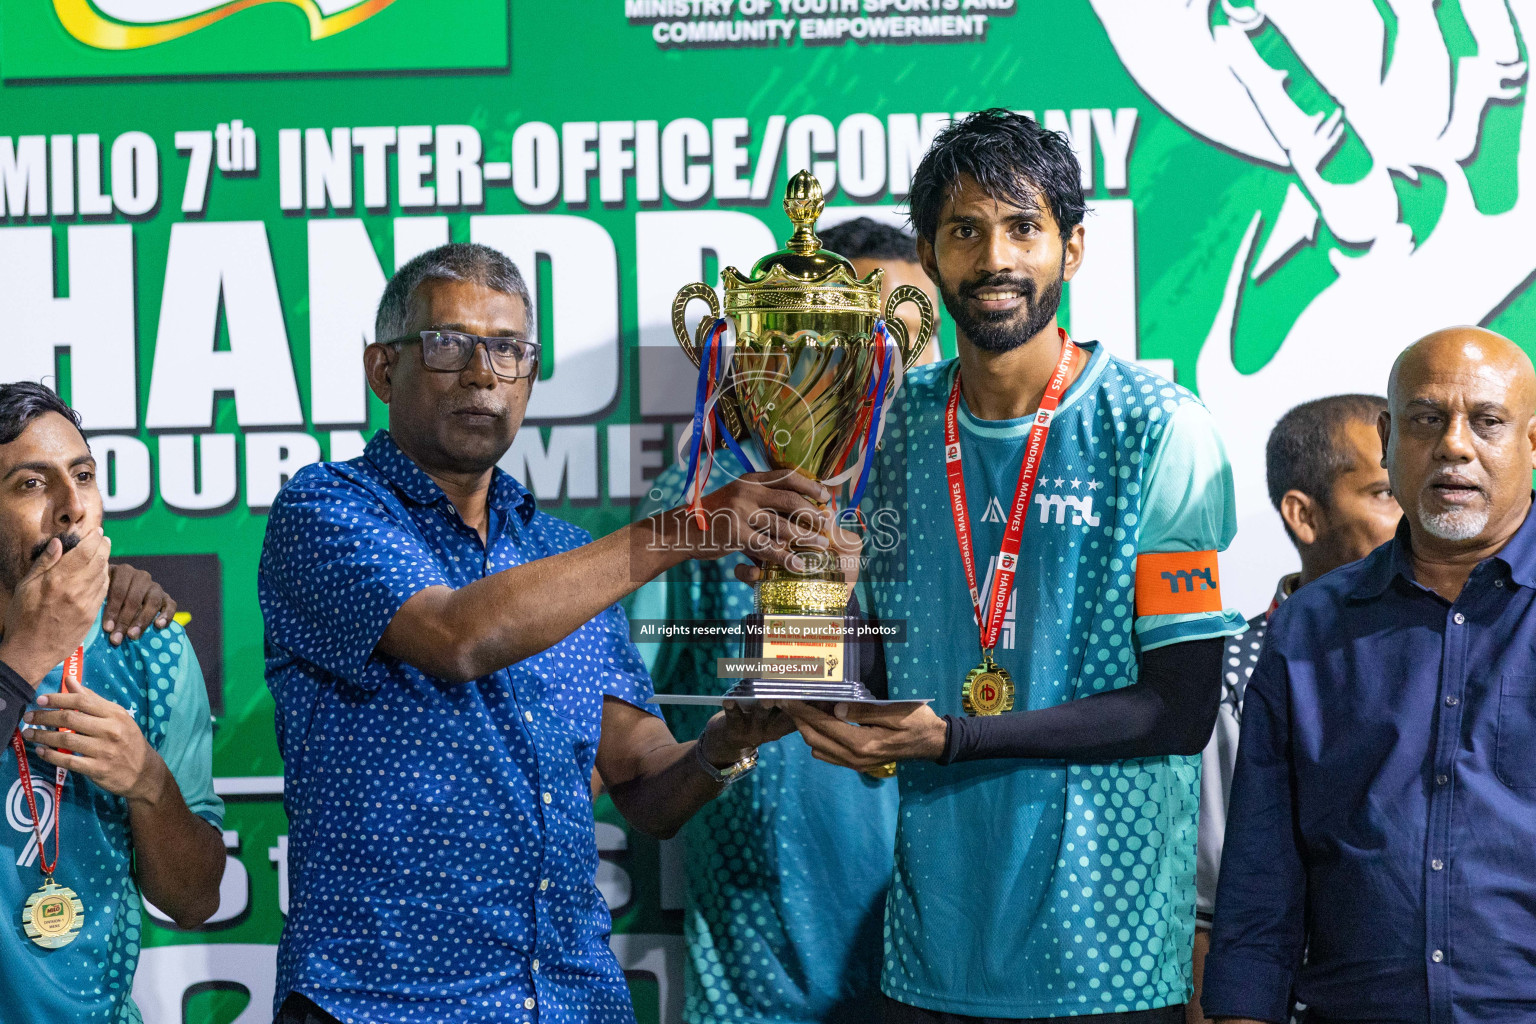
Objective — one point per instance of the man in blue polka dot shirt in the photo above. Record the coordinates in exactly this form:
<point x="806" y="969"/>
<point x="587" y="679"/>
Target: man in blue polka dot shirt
<point x="449" y="665"/>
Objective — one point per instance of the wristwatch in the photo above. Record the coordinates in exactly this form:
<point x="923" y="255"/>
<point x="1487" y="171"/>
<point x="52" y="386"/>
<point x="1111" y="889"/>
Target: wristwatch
<point x="731" y="772"/>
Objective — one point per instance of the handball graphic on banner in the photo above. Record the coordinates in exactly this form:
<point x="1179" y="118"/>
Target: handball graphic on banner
<point x="802" y="366"/>
<point x="1445" y="108"/>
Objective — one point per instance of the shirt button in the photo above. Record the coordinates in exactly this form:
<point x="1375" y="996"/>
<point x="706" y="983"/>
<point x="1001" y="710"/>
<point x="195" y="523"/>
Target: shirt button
<point x="528" y="1003"/>
<point x="528" y="716"/>
<point x="1435" y="865"/>
<point x="1458" y="618"/>
<point x="535" y="966"/>
<point x="1441" y="780"/>
<point x="543" y="884"/>
<point x="1451" y="702"/>
<point x="548" y="798"/>
<point x="1498" y="583"/>
<point x="1437" y="956"/>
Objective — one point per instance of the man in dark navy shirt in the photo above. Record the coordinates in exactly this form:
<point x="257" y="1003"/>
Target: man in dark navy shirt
<point x="1322" y="463"/>
<point x="449" y="665"/>
<point x="1379" y="851"/>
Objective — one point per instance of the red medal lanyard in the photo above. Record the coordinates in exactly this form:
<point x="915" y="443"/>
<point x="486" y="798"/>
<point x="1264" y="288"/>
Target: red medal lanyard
<point x="72" y="671"/>
<point x="991" y="625"/>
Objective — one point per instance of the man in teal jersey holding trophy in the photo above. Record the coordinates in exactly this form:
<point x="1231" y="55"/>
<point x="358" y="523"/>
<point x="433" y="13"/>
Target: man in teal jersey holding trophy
<point x="1063" y="513"/>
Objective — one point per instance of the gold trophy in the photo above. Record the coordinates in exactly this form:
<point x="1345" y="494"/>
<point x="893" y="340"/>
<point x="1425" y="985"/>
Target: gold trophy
<point x="803" y="385"/>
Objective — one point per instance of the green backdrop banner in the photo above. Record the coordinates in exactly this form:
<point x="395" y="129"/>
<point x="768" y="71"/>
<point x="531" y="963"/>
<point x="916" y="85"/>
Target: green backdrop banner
<point x="200" y="201"/>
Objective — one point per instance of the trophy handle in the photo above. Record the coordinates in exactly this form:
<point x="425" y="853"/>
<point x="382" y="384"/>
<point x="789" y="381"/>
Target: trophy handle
<point x="910" y="348"/>
<point x="694" y="347"/>
<point x="689" y="292"/>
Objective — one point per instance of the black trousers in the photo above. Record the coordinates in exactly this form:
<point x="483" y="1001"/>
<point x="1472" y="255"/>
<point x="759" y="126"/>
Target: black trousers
<point x="297" y="1009"/>
<point x="901" y="1013"/>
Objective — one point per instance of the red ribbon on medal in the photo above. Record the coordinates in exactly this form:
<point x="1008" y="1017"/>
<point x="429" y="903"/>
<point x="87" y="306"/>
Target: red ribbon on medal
<point x="72" y="674"/>
<point x="991" y="624"/>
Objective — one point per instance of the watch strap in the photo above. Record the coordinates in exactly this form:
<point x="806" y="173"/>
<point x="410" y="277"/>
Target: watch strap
<point x="731" y="772"/>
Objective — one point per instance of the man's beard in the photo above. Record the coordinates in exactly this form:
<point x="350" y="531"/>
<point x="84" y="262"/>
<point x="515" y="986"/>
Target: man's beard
<point x="1454" y="523"/>
<point x="1004" y="330"/>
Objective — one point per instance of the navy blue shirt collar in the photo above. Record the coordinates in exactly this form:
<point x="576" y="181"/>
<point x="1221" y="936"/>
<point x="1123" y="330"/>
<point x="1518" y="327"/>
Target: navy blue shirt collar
<point x="1394" y="559"/>
<point x="506" y="494"/>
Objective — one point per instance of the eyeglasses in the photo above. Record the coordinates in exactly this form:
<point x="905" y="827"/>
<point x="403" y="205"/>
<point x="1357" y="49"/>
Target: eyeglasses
<point x="451" y="351"/>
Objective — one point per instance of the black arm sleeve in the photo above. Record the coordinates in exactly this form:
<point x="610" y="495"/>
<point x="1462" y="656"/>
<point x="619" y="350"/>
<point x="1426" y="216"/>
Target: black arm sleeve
<point x="15" y="694"/>
<point x="1170" y="709"/>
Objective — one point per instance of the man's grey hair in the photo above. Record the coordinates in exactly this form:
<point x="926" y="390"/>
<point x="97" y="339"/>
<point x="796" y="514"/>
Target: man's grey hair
<point x="457" y="261"/>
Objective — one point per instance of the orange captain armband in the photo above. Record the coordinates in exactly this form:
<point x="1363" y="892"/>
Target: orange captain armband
<point x="1177" y="583"/>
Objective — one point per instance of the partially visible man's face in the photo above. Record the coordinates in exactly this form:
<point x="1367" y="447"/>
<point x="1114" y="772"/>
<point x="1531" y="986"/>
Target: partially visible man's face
<point x="455" y="422"/>
<point x="898" y="273"/>
<point x="999" y="267"/>
<point x="1459" y="446"/>
<point x="1361" y="514"/>
<point x="47" y="490"/>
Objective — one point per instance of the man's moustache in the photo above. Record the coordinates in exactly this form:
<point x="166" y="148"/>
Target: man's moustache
<point x="485" y="410"/>
<point x="1452" y="480"/>
<point x="69" y="540"/>
<point x="1024" y="287"/>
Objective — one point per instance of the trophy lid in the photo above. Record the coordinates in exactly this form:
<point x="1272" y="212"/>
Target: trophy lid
<point x="802" y="277"/>
<point x="803" y="257"/>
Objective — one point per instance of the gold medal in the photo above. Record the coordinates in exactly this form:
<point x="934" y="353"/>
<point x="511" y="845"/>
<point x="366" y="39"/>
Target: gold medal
<point x="53" y="915"/>
<point x="988" y="689"/>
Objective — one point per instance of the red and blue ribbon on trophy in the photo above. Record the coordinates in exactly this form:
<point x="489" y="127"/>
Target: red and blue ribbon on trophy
<point x="709" y="426"/>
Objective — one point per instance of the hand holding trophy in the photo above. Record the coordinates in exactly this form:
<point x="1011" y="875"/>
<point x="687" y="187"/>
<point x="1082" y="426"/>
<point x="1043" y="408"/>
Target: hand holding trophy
<point x="802" y="367"/>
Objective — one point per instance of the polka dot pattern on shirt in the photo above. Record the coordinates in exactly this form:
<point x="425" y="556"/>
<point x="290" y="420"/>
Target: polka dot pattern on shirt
<point x="787" y="869"/>
<point x="90" y="980"/>
<point x="1034" y="888"/>
<point x="442" y="852"/>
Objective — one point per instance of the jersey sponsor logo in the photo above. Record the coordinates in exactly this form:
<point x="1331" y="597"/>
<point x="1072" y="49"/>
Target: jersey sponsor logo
<point x="994" y="512"/>
<point x="1060" y="505"/>
<point x="19" y="817"/>
<point x="1005" y="638"/>
<point x="1177" y="583"/>
<point x="1190" y="578"/>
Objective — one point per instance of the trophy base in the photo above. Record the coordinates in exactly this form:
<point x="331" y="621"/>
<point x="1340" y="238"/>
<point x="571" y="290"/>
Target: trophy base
<point x="749" y="692"/>
<point x="799" y="689"/>
<point x="783" y="593"/>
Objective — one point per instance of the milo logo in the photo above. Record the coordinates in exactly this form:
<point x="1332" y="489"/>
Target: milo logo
<point x="134" y="24"/>
<point x="132" y="38"/>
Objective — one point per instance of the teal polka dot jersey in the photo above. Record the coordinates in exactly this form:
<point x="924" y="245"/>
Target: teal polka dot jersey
<point x="787" y="870"/>
<point x="442" y="851"/>
<point x="1029" y="888"/>
<point x="158" y="679"/>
